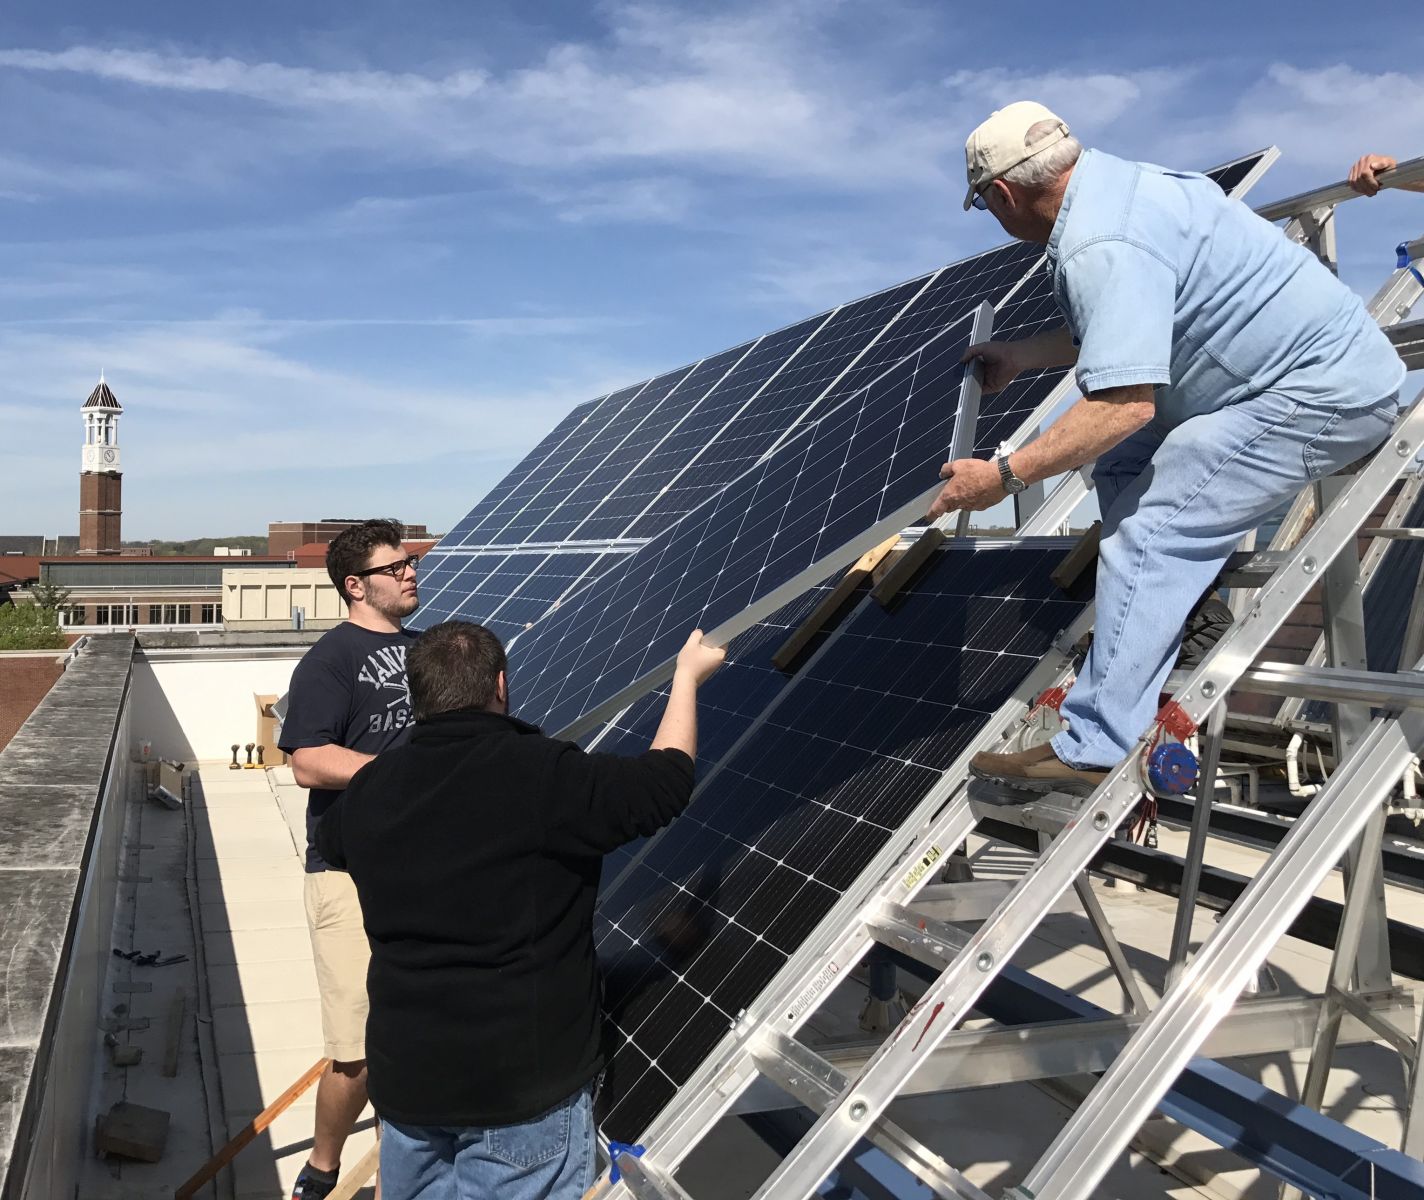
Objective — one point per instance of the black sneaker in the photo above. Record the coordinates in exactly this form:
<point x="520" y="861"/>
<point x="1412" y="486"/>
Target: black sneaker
<point x="1205" y="627"/>
<point x="313" y="1184"/>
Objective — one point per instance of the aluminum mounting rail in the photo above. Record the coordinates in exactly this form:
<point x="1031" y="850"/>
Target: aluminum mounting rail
<point x="1411" y="171"/>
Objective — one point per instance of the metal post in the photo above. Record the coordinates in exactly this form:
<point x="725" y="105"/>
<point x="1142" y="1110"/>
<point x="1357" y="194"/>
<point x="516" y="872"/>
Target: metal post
<point x="1196" y="845"/>
<point x="1342" y="599"/>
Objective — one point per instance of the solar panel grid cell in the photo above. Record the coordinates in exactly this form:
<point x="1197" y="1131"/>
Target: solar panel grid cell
<point x="783" y="404"/>
<point x="626" y="410"/>
<point x="561" y="434"/>
<point x="516" y="595"/>
<point x="655" y="464"/>
<point x="447" y="578"/>
<point x="726" y="704"/>
<point x="590" y="480"/>
<point x="692" y="932"/>
<point x="698" y="441"/>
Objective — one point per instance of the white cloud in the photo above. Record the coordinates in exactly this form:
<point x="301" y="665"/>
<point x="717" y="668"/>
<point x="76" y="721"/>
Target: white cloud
<point x="746" y="93"/>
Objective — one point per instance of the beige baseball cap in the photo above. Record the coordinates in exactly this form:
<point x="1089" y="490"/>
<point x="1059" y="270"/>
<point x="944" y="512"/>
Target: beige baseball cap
<point x="1000" y="143"/>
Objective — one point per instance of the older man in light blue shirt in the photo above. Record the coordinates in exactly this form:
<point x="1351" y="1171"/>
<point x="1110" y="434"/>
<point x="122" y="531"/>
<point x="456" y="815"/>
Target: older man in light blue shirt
<point x="1222" y="368"/>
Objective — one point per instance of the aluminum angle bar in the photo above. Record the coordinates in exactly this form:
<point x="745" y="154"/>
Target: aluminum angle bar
<point x="1411" y="171"/>
<point x="1156" y="1054"/>
<point x="811" y="1080"/>
<point x="976" y="1058"/>
<point x="946" y="1002"/>
<point x="1382" y="689"/>
<point x="971" y="389"/>
<point x="906" y="862"/>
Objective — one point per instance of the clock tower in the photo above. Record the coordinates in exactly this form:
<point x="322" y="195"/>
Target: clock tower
<point x="100" y="479"/>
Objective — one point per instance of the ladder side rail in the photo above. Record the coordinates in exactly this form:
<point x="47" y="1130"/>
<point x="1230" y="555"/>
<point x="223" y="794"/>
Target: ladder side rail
<point x="1172" y="1035"/>
<point x="949" y="1000"/>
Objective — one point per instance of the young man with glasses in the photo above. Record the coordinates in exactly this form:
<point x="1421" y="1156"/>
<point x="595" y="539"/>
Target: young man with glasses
<point x="348" y="703"/>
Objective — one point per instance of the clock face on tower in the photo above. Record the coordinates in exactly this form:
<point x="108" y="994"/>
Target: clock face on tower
<point x="109" y="456"/>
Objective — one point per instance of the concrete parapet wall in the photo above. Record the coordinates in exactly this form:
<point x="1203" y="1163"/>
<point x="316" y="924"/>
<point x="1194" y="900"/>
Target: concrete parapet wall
<point x="64" y="780"/>
<point x="192" y="705"/>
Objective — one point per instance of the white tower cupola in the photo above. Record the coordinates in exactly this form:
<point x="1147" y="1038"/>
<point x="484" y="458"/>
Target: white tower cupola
<point x="101" y="430"/>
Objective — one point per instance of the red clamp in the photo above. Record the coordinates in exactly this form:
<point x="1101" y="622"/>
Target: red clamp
<point x="1051" y="698"/>
<point x="1173" y="718"/>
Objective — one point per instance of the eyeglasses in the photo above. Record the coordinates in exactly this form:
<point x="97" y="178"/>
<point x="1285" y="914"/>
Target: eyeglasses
<point x="394" y="569"/>
<point x="979" y="202"/>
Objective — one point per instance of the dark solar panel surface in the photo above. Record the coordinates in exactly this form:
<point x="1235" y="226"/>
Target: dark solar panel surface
<point x="503" y="592"/>
<point x="769" y="411"/>
<point x="696" y="928"/>
<point x="534" y="473"/>
<point x="815" y="503"/>
<point x="726" y="704"/>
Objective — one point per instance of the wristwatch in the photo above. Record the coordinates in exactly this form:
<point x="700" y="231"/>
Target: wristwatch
<point x="1012" y="483"/>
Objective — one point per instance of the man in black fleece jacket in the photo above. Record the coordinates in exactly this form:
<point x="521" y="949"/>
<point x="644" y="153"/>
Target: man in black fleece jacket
<point x="475" y="849"/>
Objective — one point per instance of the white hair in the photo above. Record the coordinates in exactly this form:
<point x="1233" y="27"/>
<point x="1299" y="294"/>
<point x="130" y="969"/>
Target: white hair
<point x="1046" y="165"/>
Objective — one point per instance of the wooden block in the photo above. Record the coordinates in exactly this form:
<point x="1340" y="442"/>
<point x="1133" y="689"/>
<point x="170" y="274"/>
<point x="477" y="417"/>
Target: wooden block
<point x="355" y="1179"/>
<point x="1079" y="560"/>
<point x="827" y="609"/>
<point x="126" y="1056"/>
<point x="177" y="1006"/>
<point x="133" y="1131"/>
<point x="907" y="565"/>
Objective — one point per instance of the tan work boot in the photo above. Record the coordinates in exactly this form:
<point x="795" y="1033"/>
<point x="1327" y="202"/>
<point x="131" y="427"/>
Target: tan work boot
<point x="1037" y="769"/>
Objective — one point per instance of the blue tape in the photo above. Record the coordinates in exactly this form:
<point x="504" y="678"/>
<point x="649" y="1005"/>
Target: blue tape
<point x="1403" y="263"/>
<point x="614" y="1150"/>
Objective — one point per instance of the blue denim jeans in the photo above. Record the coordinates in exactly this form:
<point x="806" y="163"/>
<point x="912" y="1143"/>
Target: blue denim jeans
<point x="1175" y="502"/>
<point x="550" y="1157"/>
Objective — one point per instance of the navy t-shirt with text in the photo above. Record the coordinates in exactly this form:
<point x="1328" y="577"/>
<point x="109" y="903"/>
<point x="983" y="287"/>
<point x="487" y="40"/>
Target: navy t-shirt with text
<point x="350" y="690"/>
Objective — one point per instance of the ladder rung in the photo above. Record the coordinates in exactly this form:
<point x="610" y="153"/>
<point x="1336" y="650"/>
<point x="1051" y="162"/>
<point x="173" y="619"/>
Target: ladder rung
<point x="1048" y="814"/>
<point x="807" y="1077"/>
<point x="921" y="937"/>
<point x="1383" y="689"/>
<point x="1396" y="533"/>
<point x="1251" y="568"/>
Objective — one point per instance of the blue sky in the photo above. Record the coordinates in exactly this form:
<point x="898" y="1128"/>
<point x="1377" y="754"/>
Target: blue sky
<point x="357" y="258"/>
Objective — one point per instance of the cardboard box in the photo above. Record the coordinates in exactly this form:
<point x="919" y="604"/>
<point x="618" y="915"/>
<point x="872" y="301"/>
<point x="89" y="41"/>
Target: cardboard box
<point x="269" y="729"/>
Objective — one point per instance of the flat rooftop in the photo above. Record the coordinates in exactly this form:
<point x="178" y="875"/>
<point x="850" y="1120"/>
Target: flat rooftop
<point x="215" y="886"/>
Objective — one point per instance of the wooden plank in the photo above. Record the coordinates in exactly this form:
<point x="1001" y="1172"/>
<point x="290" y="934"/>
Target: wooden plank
<point x="791" y="649"/>
<point x="355" y="1179"/>
<point x="245" y="1136"/>
<point x="1079" y="560"/>
<point x="906" y="565"/>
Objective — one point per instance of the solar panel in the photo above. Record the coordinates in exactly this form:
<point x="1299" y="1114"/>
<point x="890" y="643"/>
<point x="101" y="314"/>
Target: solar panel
<point x="695" y="928"/>
<point x="727" y="704"/>
<point x="628" y="466"/>
<point x="837" y="487"/>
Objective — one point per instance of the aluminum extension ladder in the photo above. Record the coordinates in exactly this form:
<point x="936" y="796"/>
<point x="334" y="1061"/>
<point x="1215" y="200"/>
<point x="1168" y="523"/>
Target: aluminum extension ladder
<point x="763" y="1042"/>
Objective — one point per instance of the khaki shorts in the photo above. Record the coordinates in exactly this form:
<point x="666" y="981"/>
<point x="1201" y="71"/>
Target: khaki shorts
<point x="341" y="953"/>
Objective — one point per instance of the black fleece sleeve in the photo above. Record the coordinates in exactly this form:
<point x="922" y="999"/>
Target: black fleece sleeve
<point x="600" y="801"/>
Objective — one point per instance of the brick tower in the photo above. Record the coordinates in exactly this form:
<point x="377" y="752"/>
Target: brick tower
<point x="100" y="481"/>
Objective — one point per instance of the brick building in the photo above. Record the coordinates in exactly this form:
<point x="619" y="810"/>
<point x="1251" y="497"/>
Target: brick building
<point x="284" y="538"/>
